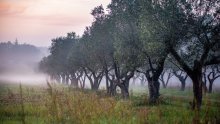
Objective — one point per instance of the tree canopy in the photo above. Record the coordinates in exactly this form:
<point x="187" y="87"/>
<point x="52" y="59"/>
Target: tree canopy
<point x="139" y="36"/>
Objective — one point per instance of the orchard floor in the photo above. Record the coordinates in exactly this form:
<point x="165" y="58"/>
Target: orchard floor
<point x="56" y="104"/>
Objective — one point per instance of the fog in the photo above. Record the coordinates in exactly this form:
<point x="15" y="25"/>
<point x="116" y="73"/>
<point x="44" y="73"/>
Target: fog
<point x="33" y="79"/>
<point x="19" y="63"/>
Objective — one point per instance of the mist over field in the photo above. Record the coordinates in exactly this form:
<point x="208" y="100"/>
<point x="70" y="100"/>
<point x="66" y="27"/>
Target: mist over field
<point x="110" y="61"/>
<point x="20" y="63"/>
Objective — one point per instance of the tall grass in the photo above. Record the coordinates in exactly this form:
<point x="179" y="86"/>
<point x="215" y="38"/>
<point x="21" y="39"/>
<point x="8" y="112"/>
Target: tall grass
<point x="22" y="105"/>
<point x="71" y="106"/>
<point x="64" y="105"/>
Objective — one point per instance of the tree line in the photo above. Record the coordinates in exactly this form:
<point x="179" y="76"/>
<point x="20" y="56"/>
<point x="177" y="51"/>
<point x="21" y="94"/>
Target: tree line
<point x="141" y="36"/>
<point x="17" y="57"/>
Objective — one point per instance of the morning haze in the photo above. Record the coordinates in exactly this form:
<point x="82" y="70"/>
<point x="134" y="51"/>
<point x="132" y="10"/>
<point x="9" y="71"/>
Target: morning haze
<point x="110" y="61"/>
<point x="38" y="21"/>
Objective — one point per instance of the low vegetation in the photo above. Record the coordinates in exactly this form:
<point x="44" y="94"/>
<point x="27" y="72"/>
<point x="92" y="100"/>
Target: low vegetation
<point x="61" y="104"/>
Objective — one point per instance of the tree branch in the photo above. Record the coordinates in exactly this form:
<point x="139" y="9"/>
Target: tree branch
<point x="181" y="61"/>
<point x="214" y="60"/>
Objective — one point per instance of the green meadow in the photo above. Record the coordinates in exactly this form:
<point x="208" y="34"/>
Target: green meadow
<point x="58" y="104"/>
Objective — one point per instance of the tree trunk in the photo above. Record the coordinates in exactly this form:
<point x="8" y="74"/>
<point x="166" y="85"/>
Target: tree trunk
<point x="142" y="81"/>
<point x="210" y="86"/>
<point x="182" y="80"/>
<point x="152" y="76"/>
<point x="107" y="82"/>
<point x="112" y="88"/>
<point x="124" y="86"/>
<point x="82" y="81"/>
<point x="197" y="90"/>
<point x="67" y="79"/>
<point x="153" y="87"/>
<point x="183" y="85"/>
<point x="95" y="84"/>
<point x="163" y="80"/>
<point x="57" y="78"/>
<point x="63" y="78"/>
<point x="74" y="81"/>
<point x="204" y="82"/>
<point x="164" y="85"/>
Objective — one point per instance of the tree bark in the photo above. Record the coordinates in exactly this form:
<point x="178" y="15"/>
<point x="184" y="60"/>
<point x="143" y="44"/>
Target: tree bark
<point x="142" y="80"/>
<point x="74" y="81"/>
<point x="182" y="79"/>
<point x="183" y="85"/>
<point x="63" y="78"/>
<point x="204" y="81"/>
<point x="212" y="76"/>
<point x="163" y="83"/>
<point x="162" y="80"/>
<point x="95" y="84"/>
<point x="153" y="86"/>
<point x="107" y="81"/>
<point x="152" y="76"/>
<point x="197" y="88"/>
<point x="57" y="78"/>
<point x="82" y="81"/>
<point x="67" y="79"/>
<point x="112" y="87"/>
<point x="124" y="86"/>
<point x="210" y="86"/>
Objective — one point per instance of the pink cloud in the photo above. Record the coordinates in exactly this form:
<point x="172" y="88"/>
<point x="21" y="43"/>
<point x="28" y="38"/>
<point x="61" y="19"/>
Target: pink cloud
<point x="8" y="8"/>
<point x="41" y="20"/>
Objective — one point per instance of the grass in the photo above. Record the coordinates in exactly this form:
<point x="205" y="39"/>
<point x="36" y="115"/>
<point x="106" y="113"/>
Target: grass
<point x="57" y="104"/>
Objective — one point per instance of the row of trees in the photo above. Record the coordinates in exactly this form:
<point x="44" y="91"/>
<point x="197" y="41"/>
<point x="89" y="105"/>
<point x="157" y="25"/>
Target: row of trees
<point x="210" y="75"/>
<point x="140" y="36"/>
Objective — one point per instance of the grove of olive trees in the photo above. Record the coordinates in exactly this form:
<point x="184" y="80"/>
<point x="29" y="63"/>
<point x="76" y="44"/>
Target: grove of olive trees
<point x="141" y="36"/>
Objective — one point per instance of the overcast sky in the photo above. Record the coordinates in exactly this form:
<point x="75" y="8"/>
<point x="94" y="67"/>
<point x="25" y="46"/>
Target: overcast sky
<point x="38" y="21"/>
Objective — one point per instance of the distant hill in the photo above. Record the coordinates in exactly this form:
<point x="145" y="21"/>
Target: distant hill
<point x="20" y="58"/>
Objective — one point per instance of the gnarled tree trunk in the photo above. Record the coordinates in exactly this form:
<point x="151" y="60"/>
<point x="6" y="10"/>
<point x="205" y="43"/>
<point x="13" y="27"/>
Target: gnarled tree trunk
<point x="74" y="81"/>
<point x="95" y="85"/>
<point x="196" y="77"/>
<point x="182" y="79"/>
<point x="124" y="86"/>
<point x="197" y="90"/>
<point x="153" y="86"/>
<point x="210" y="86"/>
<point x="212" y="76"/>
<point x="152" y="76"/>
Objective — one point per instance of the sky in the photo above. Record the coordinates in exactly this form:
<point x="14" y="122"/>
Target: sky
<point x="38" y="21"/>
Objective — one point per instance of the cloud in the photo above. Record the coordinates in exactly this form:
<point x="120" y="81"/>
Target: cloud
<point x="9" y="8"/>
<point x="41" y="20"/>
<point x="46" y="12"/>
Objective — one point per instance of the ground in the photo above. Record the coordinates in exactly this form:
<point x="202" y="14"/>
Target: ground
<point x="58" y="104"/>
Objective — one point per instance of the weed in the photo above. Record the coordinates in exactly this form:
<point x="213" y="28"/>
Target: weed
<point x="58" y="104"/>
